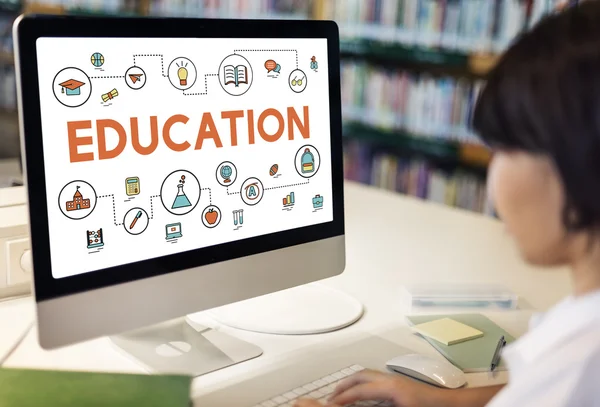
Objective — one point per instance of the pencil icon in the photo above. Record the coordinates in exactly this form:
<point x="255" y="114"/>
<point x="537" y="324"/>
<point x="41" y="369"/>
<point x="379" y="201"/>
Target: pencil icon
<point x="139" y="215"/>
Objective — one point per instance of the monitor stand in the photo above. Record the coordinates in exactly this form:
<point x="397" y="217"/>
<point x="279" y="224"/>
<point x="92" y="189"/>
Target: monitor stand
<point x="184" y="347"/>
<point x="304" y="310"/>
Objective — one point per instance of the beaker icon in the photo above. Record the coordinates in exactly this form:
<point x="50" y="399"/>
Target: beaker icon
<point x="181" y="200"/>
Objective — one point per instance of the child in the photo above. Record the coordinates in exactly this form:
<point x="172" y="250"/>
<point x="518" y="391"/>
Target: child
<point x="540" y="113"/>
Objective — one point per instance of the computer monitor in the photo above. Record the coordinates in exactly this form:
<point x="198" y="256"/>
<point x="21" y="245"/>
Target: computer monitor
<point x="223" y="134"/>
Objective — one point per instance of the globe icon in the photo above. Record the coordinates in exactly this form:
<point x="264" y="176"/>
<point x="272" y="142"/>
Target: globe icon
<point x="226" y="172"/>
<point x="97" y="59"/>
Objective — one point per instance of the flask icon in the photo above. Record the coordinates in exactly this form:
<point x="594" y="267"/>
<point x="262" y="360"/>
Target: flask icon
<point x="181" y="200"/>
<point x="308" y="162"/>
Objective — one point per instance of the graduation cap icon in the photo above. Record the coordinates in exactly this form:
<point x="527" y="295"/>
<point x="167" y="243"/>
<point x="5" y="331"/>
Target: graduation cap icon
<point x="72" y="87"/>
<point x="135" y="77"/>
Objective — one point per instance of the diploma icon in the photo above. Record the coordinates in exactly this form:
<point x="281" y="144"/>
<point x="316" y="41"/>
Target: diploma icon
<point x="110" y="95"/>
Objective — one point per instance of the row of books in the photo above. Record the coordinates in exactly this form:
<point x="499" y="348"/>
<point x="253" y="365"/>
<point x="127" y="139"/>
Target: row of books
<point x="294" y="9"/>
<point x="10" y="4"/>
<point x="415" y="177"/>
<point x="106" y="6"/>
<point x="8" y="91"/>
<point x="6" y="43"/>
<point x="418" y="103"/>
<point x="466" y="25"/>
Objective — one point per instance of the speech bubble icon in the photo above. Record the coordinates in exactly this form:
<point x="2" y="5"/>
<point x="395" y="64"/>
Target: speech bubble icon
<point x="270" y="65"/>
<point x="277" y="68"/>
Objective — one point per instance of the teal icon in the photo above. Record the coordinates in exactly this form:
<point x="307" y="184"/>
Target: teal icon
<point x="181" y="200"/>
<point x="308" y="162"/>
<point x="317" y="202"/>
<point x="252" y="191"/>
<point x="238" y="217"/>
<point x="97" y="59"/>
<point x="226" y="172"/>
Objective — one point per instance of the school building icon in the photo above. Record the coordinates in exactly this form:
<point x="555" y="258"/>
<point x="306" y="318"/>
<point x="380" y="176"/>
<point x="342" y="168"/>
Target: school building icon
<point x="78" y="202"/>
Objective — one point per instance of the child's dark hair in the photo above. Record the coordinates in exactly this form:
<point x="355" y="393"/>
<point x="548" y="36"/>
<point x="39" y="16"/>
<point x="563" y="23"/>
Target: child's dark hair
<point x="543" y="97"/>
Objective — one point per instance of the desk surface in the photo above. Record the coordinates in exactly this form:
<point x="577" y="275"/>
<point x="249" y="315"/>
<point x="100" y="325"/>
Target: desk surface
<point x="391" y="240"/>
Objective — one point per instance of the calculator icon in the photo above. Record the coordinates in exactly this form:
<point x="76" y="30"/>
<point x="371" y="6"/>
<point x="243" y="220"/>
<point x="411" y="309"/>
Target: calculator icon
<point x="132" y="186"/>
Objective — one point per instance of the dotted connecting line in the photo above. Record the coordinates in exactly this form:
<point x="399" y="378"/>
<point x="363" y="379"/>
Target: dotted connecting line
<point x="269" y="50"/>
<point x="232" y="193"/>
<point x="205" y="86"/>
<point x="288" y="186"/>
<point x="152" y="205"/>
<point x="162" y="61"/>
<point x="107" y="77"/>
<point x="209" y="194"/>
<point x="114" y="209"/>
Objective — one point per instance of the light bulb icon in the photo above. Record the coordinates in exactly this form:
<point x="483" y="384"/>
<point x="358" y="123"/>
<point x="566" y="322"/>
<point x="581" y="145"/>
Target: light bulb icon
<point x="182" y="73"/>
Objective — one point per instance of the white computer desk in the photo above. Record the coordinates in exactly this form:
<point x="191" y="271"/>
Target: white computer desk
<point x="391" y="240"/>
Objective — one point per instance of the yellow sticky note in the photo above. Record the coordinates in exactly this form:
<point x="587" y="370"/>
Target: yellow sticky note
<point x="448" y="331"/>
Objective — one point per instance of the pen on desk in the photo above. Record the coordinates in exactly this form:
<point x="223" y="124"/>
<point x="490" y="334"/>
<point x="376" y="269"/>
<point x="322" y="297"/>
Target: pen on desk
<point x="496" y="357"/>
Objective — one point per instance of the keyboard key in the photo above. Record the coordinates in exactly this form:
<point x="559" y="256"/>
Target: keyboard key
<point x="320" y="383"/>
<point x="269" y="403"/>
<point x="310" y="387"/>
<point x="279" y="400"/>
<point x="329" y="379"/>
<point x="357" y="368"/>
<point x="348" y="372"/>
<point x="316" y="395"/>
<point x="301" y="391"/>
<point x="290" y="395"/>
<point x="338" y="375"/>
<point x="327" y="389"/>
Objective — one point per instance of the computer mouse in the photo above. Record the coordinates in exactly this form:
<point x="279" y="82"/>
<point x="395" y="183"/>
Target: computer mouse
<point x="428" y="369"/>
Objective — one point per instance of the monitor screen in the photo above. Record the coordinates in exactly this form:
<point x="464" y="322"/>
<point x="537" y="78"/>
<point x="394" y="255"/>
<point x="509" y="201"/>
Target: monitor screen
<point x="211" y="140"/>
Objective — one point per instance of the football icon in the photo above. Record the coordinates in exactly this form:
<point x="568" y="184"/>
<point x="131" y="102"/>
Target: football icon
<point x="273" y="170"/>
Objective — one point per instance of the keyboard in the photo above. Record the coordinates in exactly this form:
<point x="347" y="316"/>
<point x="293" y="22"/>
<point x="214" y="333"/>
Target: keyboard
<point x="319" y="389"/>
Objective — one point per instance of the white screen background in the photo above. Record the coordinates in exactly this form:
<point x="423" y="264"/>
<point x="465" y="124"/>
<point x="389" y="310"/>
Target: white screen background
<point x="68" y="244"/>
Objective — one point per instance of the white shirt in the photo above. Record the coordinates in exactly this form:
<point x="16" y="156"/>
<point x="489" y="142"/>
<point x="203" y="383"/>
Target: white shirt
<point x="557" y="363"/>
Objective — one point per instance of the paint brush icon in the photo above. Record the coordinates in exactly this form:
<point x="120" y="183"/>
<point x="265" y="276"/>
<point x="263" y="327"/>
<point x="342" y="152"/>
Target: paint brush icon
<point x="139" y="215"/>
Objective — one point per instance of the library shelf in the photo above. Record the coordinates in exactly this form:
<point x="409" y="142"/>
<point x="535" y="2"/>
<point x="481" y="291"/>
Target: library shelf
<point x="10" y="7"/>
<point x="6" y="58"/>
<point x="475" y="64"/>
<point x="469" y="154"/>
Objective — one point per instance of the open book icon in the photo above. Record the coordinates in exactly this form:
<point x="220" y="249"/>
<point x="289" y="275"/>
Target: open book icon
<point x="236" y="75"/>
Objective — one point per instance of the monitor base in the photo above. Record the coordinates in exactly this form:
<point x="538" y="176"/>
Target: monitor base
<point x="183" y="347"/>
<point x="309" y="309"/>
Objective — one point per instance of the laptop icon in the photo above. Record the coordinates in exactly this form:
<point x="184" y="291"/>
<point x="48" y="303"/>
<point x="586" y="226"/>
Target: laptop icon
<point x="173" y="231"/>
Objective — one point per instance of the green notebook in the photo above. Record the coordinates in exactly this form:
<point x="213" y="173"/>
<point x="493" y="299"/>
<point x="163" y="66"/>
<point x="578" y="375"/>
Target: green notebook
<point x="34" y="388"/>
<point x="474" y="355"/>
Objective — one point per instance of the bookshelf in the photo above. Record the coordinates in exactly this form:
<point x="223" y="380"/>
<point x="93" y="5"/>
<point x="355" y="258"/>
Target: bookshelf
<point x="477" y="65"/>
<point x="403" y="63"/>
<point x="470" y="156"/>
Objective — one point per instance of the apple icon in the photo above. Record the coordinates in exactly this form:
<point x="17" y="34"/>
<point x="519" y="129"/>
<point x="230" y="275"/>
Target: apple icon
<point x="211" y="216"/>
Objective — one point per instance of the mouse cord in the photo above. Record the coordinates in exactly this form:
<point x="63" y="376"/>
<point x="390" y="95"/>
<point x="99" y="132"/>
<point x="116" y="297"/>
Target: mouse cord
<point x="17" y="343"/>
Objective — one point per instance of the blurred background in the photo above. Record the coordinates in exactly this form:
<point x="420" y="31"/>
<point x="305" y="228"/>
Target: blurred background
<point x="411" y="72"/>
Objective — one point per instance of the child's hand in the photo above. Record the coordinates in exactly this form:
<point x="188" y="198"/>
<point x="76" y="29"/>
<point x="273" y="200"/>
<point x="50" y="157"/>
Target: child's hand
<point x="369" y="385"/>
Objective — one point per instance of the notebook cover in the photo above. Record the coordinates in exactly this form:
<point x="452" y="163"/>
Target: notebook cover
<point x="474" y="355"/>
<point x="34" y="388"/>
